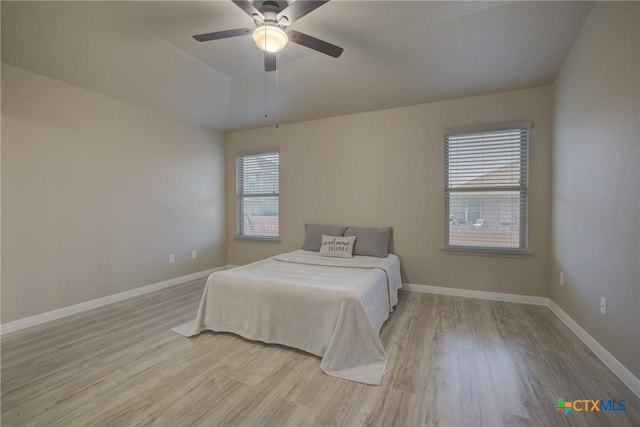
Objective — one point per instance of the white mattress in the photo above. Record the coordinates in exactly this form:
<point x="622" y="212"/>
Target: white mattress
<point x="330" y="307"/>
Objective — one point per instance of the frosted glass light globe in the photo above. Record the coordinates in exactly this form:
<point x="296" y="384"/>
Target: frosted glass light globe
<point x="270" y="38"/>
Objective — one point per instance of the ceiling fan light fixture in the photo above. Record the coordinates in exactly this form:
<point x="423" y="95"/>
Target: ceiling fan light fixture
<point x="270" y="38"/>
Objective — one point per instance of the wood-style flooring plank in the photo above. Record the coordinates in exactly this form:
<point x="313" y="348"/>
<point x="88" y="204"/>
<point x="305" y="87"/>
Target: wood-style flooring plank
<point x="452" y="362"/>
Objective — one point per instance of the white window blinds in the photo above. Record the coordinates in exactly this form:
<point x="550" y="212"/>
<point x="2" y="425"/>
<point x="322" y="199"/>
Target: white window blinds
<point x="257" y="194"/>
<point x="486" y="189"/>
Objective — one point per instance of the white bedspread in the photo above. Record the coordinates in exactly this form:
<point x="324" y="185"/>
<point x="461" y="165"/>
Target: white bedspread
<point x="330" y="307"/>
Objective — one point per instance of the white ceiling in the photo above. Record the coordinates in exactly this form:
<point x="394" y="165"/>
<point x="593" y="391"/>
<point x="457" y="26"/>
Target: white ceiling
<point x="396" y="53"/>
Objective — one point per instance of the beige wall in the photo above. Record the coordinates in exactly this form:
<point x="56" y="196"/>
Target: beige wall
<point x="97" y="192"/>
<point x="596" y="171"/>
<point x="387" y="168"/>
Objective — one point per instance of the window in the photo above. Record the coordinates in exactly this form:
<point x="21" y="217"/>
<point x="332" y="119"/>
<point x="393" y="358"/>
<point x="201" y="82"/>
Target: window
<point x="257" y="195"/>
<point x="486" y="188"/>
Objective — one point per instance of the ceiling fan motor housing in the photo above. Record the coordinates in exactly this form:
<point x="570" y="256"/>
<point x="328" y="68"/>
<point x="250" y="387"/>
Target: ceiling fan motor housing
<point x="270" y="10"/>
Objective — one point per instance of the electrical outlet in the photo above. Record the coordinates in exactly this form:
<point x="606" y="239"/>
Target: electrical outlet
<point x="194" y="254"/>
<point x="603" y="306"/>
<point x="561" y="278"/>
<point x="172" y="258"/>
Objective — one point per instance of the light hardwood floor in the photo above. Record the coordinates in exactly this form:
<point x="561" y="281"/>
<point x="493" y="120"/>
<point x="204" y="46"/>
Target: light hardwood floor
<point x="452" y="362"/>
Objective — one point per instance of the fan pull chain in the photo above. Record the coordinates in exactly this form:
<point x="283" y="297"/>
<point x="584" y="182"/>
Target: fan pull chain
<point x="265" y="72"/>
<point x="266" y="92"/>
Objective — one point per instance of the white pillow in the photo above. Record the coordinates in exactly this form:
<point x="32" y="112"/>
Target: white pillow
<point x="337" y="247"/>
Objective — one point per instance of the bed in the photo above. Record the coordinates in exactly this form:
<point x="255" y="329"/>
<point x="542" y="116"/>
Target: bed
<point x="330" y="307"/>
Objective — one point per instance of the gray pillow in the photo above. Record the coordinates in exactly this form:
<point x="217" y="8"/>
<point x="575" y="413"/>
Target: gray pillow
<point x="313" y="235"/>
<point x="371" y="241"/>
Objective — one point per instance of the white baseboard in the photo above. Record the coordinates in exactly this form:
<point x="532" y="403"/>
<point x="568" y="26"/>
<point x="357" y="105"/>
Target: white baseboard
<point x="26" y="322"/>
<point x="612" y="363"/>
<point x="467" y="293"/>
<point x="607" y="358"/>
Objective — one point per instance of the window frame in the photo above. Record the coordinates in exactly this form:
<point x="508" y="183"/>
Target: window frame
<point x="525" y="160"/>
<point x="240" y="196"/>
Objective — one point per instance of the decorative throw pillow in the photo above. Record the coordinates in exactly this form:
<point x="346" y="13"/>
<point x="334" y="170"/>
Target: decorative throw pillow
<point x="371" y="241"/>
<point x="313" y="235"/>
<point x="337" y="247"/>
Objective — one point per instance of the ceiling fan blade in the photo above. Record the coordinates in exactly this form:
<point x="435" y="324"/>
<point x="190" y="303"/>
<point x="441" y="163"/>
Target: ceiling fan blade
<point x="222" y="34"/>
<point x="314" y="43"/>
<point x="298" y="9"/>
<point x="249" y="9"/>
<point x="269" y="61"/>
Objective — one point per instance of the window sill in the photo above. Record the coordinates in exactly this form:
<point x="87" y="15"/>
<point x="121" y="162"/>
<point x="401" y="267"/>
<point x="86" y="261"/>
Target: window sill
<point x="488" y="252"/>
<point x="258" y="239"/>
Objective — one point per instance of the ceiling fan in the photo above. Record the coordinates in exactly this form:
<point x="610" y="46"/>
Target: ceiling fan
<point x="272" y="19"/>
